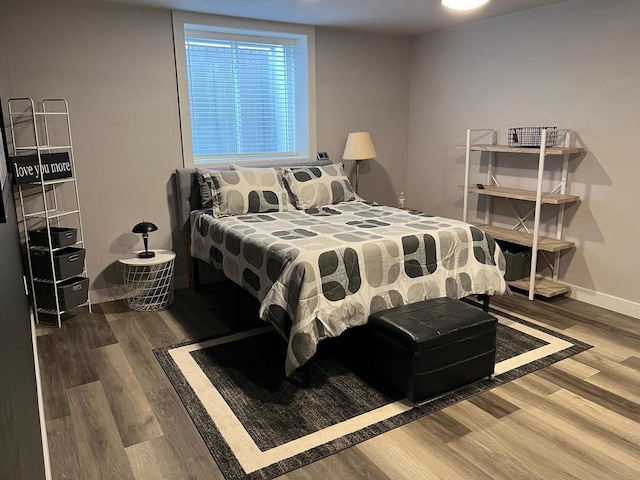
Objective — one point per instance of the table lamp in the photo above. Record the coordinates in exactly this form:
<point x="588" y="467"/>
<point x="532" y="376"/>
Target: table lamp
<point x="144" y="228"/>
<point x="359" y="147"/>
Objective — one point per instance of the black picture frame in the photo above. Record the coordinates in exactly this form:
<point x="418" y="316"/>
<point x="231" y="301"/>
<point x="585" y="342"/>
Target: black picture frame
<point x="5" y="182"/>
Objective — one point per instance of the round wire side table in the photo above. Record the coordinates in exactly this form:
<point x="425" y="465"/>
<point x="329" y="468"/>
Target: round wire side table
<point x="149" y="281"/>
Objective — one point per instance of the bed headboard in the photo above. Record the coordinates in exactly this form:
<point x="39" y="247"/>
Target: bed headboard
<point x="188" y="191"/>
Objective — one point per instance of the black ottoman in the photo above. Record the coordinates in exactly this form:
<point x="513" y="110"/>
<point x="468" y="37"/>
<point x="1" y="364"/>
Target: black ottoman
<point x="424" y="349"/>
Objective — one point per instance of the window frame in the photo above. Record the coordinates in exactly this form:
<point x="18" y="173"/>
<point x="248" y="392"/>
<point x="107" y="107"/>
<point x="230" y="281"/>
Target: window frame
<point x="183" y="21"/>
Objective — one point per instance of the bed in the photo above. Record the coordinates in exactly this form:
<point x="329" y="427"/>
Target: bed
<point x="322" y="269"/>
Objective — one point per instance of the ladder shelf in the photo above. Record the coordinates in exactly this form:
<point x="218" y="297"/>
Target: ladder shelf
<point x="521" y="234"/>
<point x="43" y="125"/>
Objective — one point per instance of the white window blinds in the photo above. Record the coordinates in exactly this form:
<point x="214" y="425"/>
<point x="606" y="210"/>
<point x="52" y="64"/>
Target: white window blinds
<point x="242" y="94"/>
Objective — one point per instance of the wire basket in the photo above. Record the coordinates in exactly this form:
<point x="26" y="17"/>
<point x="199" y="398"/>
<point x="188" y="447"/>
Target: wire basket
<point x="532" y="136"/>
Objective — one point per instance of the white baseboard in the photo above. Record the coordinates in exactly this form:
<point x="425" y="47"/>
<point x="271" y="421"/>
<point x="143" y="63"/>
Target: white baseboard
<point x="616" y="304"/>
<point x="43" y="426"/>
<point x="118" y="291"/>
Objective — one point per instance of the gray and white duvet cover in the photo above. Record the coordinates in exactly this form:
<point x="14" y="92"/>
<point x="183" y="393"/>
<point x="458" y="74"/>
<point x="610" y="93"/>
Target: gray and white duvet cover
<point x="320" y="271"/>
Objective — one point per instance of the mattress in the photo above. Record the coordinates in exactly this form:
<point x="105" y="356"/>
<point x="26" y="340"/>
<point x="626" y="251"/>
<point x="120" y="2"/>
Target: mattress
<point x="320" y="271"/>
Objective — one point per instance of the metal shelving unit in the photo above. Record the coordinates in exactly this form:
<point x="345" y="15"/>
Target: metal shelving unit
<point x="520" y="233"/>
<point x="43" y="125"/>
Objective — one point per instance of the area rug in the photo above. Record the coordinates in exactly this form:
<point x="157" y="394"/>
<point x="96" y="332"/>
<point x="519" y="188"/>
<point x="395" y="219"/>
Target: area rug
<point x="259" y="425"/>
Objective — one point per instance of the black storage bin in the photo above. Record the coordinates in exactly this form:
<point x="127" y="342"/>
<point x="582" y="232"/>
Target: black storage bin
<point x="60" y="237"/>
<point x="71" y="293"/>
<point x="67" y="262"/>
<point x="518" y="259"/>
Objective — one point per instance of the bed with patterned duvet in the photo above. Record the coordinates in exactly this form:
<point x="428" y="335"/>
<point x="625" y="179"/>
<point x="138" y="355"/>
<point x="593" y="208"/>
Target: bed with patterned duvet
<point x="320" y="270"/>
<point x="318" y="257"/>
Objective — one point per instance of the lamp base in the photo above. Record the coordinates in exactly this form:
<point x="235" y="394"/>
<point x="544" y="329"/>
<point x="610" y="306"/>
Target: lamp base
<point x="146" y="254"/>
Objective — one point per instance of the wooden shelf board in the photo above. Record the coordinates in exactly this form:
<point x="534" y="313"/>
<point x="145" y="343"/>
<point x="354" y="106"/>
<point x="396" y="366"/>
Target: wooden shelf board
<point x="506" y="149"/>
<point x="518" y="194"/>
<point x="523" y="238"/>
<point x="544" y="287"/>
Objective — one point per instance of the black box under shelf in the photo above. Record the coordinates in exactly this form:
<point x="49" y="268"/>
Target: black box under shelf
<point x="67" y="262"/>
<point x="60" y="237"/>
<point x="71" y="293"/>
<point x="518" y="258"/>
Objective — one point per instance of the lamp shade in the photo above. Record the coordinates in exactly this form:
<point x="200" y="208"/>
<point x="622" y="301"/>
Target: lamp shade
<point x="144" y="227"/>
<point x="359" y="147"/>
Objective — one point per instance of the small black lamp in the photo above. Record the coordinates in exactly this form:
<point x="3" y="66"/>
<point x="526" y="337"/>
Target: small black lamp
<point x="144" y="228"/>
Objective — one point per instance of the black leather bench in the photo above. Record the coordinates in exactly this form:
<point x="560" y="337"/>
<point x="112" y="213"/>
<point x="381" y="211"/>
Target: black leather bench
<point x="428" y="348"/>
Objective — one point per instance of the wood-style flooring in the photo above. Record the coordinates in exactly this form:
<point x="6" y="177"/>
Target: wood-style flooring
<point x="112" y="413"/>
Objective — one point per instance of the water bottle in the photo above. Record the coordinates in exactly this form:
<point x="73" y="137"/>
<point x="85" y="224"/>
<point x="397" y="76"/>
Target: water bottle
<point x="401" y="200"/>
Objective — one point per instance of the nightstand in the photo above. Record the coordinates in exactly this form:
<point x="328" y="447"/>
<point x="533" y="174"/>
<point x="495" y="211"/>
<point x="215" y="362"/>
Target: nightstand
<point x="149" y="281"/>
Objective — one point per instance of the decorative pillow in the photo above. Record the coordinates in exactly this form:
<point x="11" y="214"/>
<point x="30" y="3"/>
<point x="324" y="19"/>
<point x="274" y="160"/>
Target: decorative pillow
<point x="262" y="172"/>
<point x="318" y="186"/>
<point x="206" y="187"/>
<point x="236" y="192"/>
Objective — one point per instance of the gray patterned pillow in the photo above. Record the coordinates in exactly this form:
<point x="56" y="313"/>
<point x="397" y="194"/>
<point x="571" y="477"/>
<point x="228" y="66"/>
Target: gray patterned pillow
<point x="236" y="192"/>
<point x="206" y="187"/>
<point x="262" y="171"/>
<point x="318" y="186"/>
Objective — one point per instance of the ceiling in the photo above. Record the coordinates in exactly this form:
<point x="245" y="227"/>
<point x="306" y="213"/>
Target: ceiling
<point x="390" y="16"/>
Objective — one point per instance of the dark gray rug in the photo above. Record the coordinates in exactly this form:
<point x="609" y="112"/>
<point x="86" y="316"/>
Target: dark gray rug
<point x="259" y="425"/>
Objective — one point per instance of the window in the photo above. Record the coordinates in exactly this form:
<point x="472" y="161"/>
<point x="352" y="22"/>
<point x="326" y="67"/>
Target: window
<point x="246" y="89"/>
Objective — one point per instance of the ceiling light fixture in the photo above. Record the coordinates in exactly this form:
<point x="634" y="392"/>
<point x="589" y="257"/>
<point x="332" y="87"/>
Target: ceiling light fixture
<point x="463" y="4"/>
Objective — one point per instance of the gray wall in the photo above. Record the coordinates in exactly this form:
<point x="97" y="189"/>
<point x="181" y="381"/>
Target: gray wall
<point x="362" y="84"/>
<point x="115" y="65"/>
<point x="20" y="440"/>
<point x="574" y="64"/>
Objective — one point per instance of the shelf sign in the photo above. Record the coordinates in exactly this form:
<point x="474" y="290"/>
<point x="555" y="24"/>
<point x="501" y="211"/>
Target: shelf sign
<point x="55" y="166"/>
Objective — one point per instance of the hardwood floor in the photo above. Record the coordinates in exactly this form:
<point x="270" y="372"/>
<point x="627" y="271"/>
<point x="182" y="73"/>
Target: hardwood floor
<point x="112" y="413"/>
